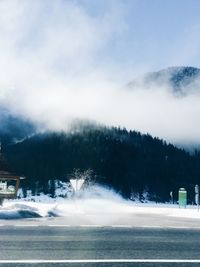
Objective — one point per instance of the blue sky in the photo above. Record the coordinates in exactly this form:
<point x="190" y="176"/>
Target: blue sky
<point x="156" y="33"/>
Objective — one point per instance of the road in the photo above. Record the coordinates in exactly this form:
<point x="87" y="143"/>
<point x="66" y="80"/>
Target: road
<point x="21" y="243"/>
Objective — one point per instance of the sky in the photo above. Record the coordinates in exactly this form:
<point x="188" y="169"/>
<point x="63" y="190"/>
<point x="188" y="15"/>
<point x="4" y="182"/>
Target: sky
<point x="62" y="60"/>
<point x="152" y="34"/>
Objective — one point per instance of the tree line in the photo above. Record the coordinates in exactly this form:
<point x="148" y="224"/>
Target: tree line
<point x="128" y="161"/>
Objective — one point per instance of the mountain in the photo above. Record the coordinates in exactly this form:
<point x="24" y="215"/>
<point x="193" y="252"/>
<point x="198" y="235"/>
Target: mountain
<point x="14" y="128"/>
<point x="181" y="80"/>
<point x="127" y="161"/>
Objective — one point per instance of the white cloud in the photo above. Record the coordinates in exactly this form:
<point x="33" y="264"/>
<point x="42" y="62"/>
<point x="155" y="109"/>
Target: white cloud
<point x="53" y="69"/>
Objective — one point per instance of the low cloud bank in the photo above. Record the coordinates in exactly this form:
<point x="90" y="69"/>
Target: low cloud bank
<point x="55" y="69"/>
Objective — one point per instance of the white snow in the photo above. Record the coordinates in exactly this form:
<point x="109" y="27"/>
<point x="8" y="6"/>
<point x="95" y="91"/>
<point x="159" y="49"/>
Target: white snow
<point x="95" y="201"/>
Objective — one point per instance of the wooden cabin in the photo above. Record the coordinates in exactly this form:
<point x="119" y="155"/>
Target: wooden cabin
<point x="9" y="182"/>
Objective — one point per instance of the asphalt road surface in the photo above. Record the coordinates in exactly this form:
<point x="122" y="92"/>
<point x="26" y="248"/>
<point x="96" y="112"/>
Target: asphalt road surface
<point x="58" y="246"/>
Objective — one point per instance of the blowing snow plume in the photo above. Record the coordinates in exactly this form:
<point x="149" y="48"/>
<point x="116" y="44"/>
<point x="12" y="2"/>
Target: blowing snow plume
<point x="57" y="65"/>
<point x="96" y="204"/>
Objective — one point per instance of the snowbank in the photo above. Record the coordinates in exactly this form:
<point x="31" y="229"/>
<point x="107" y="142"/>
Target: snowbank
<point x="95" y="200"/>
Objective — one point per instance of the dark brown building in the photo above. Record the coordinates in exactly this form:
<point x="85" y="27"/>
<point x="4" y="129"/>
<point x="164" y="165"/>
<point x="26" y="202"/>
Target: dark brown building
<point x="9" y="182"/>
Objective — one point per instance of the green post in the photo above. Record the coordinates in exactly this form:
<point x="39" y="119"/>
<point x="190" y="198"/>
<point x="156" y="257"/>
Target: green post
<point x="182" y="197"/>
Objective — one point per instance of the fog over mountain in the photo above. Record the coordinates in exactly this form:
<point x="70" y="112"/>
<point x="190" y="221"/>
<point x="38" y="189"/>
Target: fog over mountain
<point x="61" y="61"/>
<point x="181" y="81"/>
<point x="163" y="103"/>
<point x="107" y="85"/>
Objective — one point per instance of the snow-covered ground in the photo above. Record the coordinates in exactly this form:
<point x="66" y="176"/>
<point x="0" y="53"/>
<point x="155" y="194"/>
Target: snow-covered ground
<point x="94" y="201"/>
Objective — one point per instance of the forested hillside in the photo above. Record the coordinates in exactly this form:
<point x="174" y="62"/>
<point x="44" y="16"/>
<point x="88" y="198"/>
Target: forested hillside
<point x="127" y="161"/>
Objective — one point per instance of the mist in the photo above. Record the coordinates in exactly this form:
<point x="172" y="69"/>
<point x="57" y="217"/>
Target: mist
<point x="55" y="68"/>
<point x="95" y="205"/>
